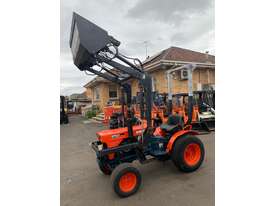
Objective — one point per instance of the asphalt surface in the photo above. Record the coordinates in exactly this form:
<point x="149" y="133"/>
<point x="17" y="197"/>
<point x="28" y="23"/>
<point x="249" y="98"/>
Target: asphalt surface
<point x="82" y="183"/>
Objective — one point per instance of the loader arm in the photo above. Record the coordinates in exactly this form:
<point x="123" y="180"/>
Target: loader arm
<point x="93" y="46"/>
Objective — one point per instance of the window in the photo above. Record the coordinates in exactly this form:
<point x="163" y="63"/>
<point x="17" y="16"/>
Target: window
<point x="96" y="93"/>
<point x="112" y="91"/>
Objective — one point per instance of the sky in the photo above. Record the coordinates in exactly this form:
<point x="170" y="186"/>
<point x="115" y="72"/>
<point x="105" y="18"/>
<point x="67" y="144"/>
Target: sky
<point x="160" y="23"/>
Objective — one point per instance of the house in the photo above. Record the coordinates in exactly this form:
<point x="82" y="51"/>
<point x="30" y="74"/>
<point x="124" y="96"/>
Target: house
<point x="77" y="101"/>
<point x="101" y="91"/>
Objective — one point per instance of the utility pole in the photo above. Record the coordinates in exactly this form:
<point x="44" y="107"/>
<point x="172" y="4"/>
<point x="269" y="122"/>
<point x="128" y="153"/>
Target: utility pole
<point x="146" y="48"/>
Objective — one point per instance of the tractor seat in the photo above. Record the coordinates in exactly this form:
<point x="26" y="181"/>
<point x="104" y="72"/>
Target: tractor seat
<point x="174" y="124"/>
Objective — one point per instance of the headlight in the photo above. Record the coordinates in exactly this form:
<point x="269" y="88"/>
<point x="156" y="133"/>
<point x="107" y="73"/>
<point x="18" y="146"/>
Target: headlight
<point x="100" y="147"/>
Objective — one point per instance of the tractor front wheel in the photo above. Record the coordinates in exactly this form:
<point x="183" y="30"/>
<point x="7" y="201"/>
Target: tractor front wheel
<point x="126" y="179"/>
<point x="188" y="153"/>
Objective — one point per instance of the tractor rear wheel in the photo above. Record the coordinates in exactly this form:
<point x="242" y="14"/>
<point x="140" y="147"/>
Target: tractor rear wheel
<point x="188" y="153"/>
<point x="126" y="179"/>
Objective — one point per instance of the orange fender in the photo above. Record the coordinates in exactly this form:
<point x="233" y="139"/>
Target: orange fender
<point x="175" y="137"/>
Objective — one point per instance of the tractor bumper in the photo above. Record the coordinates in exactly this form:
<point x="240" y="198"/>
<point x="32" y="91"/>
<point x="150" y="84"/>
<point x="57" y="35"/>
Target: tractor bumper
<point x="97" y="146"/>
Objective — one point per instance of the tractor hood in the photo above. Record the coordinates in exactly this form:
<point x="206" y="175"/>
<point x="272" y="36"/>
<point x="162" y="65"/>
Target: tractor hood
<point x="113" y="137"/>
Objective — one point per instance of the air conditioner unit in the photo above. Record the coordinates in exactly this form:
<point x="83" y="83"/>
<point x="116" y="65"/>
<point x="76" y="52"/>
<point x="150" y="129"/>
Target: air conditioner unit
<point x="183" y="74"/>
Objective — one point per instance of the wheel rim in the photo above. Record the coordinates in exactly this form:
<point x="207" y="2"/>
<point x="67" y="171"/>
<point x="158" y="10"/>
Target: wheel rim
<point x="192" y="154"/>
<point x="128" y="182"/>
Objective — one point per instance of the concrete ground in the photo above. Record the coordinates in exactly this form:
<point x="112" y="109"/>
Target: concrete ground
<point x="82" y="183"/>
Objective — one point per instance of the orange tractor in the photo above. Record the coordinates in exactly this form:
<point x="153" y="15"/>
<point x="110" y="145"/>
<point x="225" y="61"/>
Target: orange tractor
<point x="116" y="149"/>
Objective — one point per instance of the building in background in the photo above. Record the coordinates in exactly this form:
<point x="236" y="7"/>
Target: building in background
<point x="100" y="91"/>
<point x="76" y="102"/>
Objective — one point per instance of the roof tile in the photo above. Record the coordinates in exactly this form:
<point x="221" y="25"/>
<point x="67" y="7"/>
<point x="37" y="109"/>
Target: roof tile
<point x="180" y="54"/>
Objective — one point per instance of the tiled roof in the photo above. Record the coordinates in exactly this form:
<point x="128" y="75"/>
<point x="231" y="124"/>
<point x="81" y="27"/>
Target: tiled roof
<point x="180" y="54"/>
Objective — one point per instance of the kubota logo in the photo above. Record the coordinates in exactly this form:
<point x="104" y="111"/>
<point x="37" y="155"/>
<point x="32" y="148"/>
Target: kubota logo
<point x="115" y="136"/>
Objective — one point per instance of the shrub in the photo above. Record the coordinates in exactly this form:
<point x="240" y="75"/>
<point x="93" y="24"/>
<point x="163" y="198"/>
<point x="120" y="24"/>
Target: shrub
<point x="95" y="108"/>
<point x="90" y="114"/>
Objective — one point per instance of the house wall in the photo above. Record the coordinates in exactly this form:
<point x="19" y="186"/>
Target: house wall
<point x="103" y="94"/>
<point x="89" y="93"/>
<point x="134" y="86"/>
<point x="160" y="81"/>
<point x="203" y="76"/>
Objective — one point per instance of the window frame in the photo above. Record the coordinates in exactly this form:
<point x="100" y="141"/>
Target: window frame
<point x="115" y="90"/>
<point x="96" y="93"/>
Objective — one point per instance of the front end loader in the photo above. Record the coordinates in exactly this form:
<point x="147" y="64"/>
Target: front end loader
<point x="94" y="50"/>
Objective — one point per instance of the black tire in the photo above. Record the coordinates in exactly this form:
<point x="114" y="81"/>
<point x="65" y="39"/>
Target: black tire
<point x="66" y="120"/>
<point x="104" y="168"/>
<point x="117" y="174"/>
<point x="181" y="147"/>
